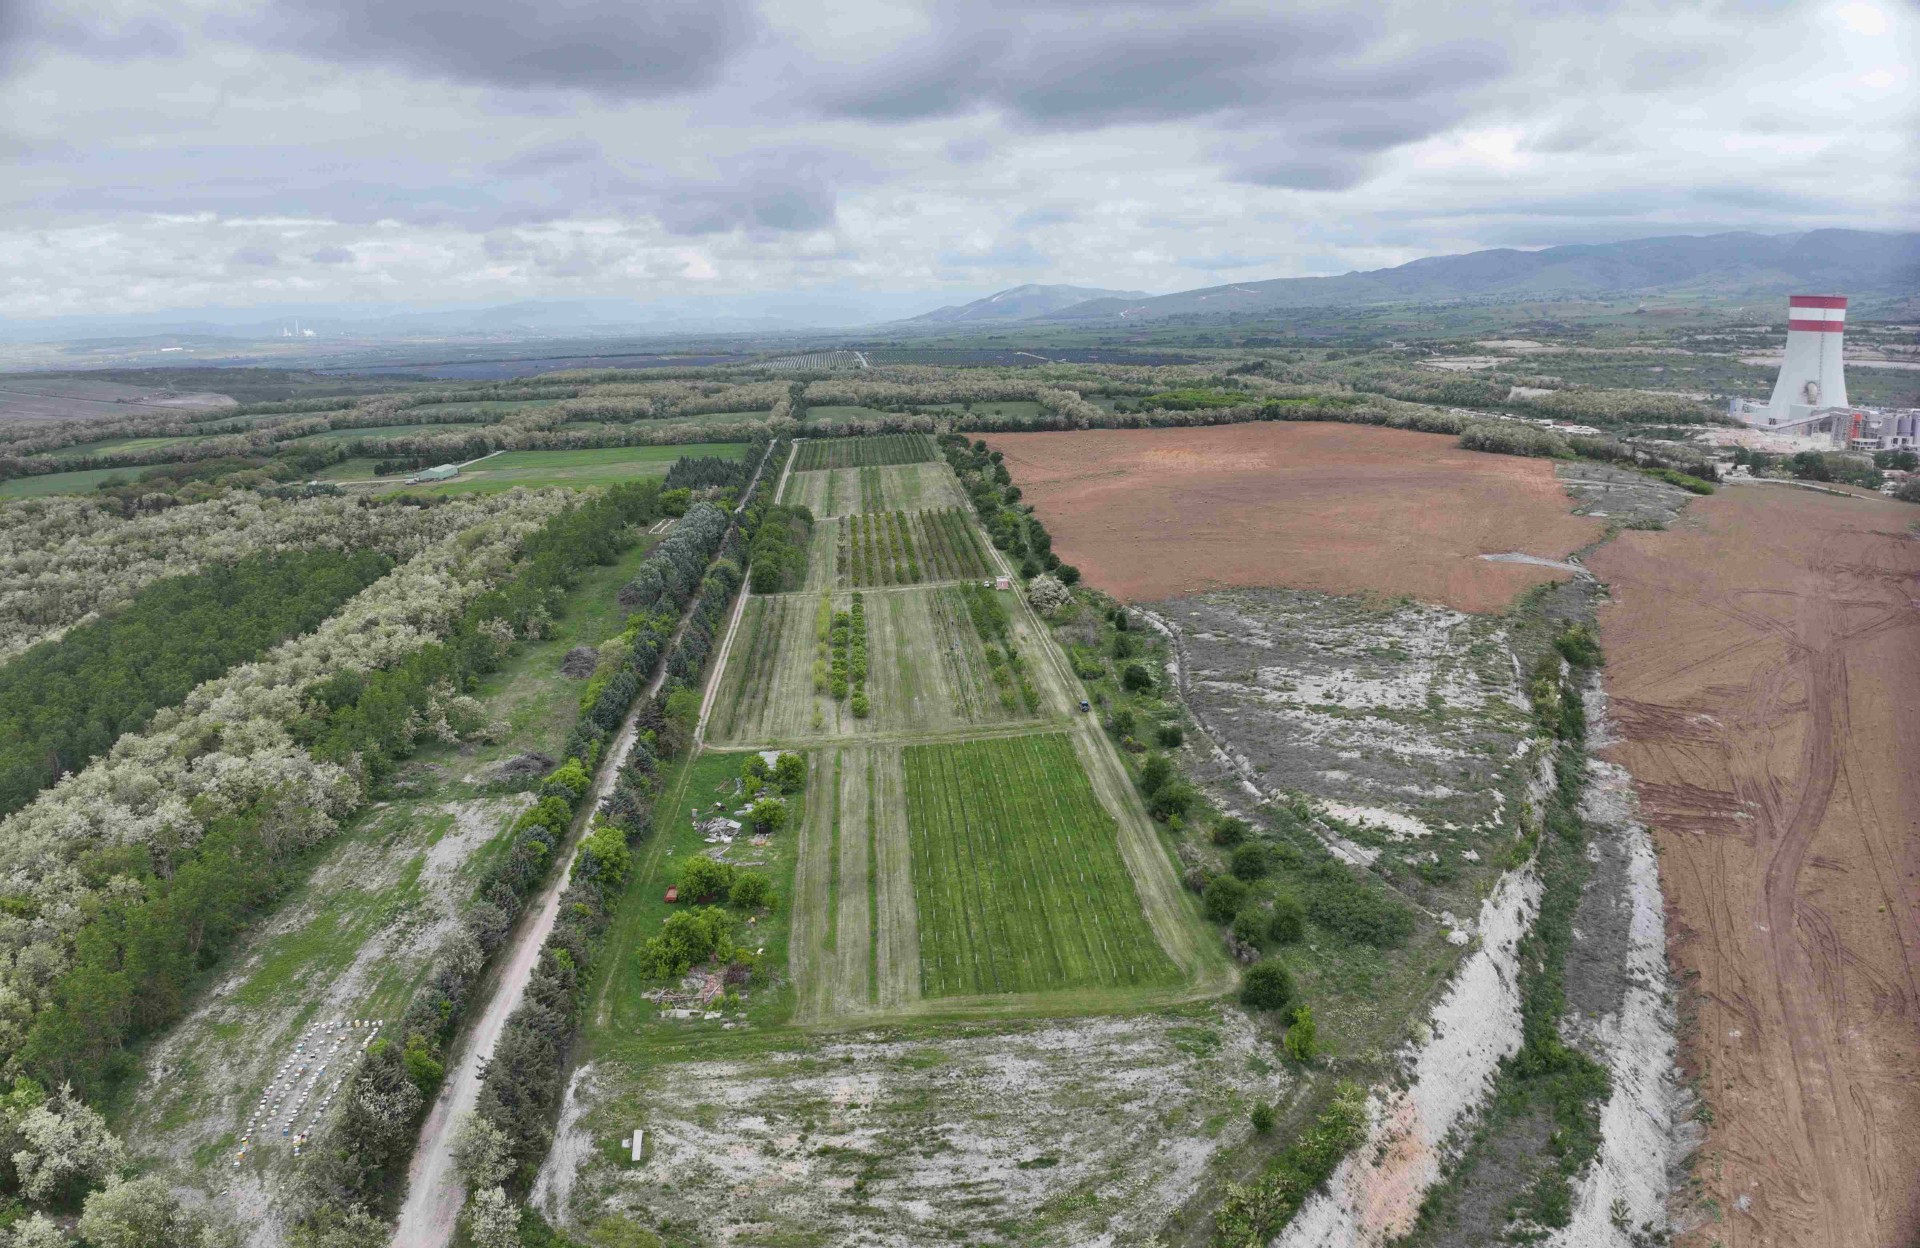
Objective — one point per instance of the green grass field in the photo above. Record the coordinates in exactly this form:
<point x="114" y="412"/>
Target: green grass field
<point x="578" y="469"/>
<point x="886" y="448"/>
<point x="1017" y="876"/>
<point x="81" y="482"/>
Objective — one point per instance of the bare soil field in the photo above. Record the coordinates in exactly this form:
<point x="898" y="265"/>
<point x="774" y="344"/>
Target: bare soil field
<point x="61" y="398"/>
<point x="1764" y="670"/>
<point x="1158" y="513"/>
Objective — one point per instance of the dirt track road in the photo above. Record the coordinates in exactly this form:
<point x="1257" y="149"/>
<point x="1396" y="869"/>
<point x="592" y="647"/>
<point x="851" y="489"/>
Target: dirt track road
<point x="434" y="1195"/>
<point x="1764" y="665"/>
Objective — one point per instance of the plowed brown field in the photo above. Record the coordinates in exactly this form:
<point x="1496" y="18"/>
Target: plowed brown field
<point x="1763" y="659"/>
<point x="1147" y="514"/>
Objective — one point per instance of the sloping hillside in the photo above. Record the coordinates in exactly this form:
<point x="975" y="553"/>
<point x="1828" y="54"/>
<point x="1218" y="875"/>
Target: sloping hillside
<point x="1021" y="303"/>
<point x="1854" y="262"/>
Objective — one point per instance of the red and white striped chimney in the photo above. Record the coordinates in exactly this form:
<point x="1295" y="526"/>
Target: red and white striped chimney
<point x="1812" y="374"/>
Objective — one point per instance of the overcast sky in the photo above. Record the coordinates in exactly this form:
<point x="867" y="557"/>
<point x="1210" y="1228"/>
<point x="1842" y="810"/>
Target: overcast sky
<point x="165" y="154"/>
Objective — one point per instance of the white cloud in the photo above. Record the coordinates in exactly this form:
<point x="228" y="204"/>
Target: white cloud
<point x="185" y="152"/>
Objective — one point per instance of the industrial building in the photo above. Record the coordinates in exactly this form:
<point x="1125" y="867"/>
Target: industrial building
<point x="1810" y="395"/>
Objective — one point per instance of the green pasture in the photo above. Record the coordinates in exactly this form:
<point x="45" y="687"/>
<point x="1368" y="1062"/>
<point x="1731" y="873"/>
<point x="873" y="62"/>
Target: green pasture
<point x="82" y="481"/>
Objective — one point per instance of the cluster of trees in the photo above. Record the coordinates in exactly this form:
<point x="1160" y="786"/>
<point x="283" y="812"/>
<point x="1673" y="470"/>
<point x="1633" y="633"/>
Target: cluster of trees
<point x="521" y="1083"/>
<point x="124" y="828"/>
<point x="127" y="879"/>
<point x="1851" y="469"/>
<point x="374" y="718"/>
<point x="132" y="964"/>
<point x="778" y="555"/>
<point x="709" y="472"/>
<point x="63" y="559"/>
<point x="65" y="701"/>
<point x="695" y="561"/>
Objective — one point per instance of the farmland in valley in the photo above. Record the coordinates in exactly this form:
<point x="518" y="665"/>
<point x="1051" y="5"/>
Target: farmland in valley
<point x="1017" y="881"/>
<point x="889" y="448"/>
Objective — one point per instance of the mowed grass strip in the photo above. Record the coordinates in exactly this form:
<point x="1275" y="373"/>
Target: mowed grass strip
<point x="1017" y="875"/>
<point x="576" y="468"/>
<point x="886" y="448"/>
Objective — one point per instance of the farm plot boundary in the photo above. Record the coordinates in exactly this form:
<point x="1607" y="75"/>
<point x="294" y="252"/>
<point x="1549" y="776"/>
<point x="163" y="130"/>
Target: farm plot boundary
<point x="833" y="492"/>
<point x="1019" y="884"/>
<point x="888" y="448"/>
<point x="929" y="673"/>
<point x="879" y="549"/>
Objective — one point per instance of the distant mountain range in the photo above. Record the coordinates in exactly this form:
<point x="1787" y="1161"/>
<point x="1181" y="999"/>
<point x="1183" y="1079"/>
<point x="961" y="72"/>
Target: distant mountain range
<point x="1023" y="303"/>
<point x="1849" y="262"/>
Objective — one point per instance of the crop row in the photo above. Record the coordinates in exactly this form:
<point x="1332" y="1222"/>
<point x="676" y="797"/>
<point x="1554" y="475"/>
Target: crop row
<point x="888" y="448"/>
<point x="873" y="497"/>
<point x="877" y="549"/>
<point x="848" y="673"/>
<point x="993" y="626"/>
<point x="763" y="627"/>
<point x="1017" y="875"/>
<point x="952" y="545"/>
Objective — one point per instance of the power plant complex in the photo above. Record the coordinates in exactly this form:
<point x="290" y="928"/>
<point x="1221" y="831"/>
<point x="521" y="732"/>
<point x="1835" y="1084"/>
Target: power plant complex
<point x="1810" y="397"/>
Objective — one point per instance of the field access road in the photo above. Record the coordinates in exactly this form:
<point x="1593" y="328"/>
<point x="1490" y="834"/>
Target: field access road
<point x="434" y="1195"/>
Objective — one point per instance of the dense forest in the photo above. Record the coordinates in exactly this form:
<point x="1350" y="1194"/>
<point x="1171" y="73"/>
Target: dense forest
<point x="64" y="701"/>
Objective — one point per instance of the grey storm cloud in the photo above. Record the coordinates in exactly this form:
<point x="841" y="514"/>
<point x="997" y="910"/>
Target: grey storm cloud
<point x="1313" y="95"/>
<point x="615" y="48"/>
<point x="1069" y="67"/>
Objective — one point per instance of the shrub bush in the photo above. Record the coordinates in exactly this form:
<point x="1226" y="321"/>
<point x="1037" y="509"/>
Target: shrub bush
<point x="1251" y="861"/>
<point x="1345" y="906"/>
<point x="1267" y="986"/>
<point x="1288" y="922"/>
<point x="1223" y="897"/>
<point x="1250" y="927"/>
<point x="1230" y="831"/>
